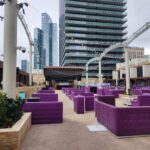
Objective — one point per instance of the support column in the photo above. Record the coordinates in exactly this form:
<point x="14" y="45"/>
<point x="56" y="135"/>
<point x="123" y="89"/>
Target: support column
<point x="127" y="68"/>
<point x="100" y="73"/>
<point x="10" y="45"/>
<point x="87" y="80"/>
<point x="30" y="66"/>
<point x="116" y="78"/>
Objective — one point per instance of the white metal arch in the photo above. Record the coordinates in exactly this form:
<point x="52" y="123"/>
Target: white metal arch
<point x="134" y="36"/>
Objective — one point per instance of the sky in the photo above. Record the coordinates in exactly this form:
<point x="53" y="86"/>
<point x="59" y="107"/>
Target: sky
<point x="138" y="14"/>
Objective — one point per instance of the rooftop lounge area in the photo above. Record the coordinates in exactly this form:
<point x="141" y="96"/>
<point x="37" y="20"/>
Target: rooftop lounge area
<point x="62" y="118"/>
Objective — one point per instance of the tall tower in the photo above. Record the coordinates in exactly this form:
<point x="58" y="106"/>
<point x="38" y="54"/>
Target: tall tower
<point x="47" y="37"/>
<point x="87" y="28"/>
<point x="38" y="40"/>
<point x="25" y="65"/>
<point x="55" y="61"/>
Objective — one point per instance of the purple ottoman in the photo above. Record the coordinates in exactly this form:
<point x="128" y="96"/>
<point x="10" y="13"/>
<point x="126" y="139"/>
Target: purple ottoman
<point x="89" y="103"/>
<point x="79" y="104"/>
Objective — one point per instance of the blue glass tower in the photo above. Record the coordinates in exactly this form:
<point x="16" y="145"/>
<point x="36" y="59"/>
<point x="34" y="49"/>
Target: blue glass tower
<point x="47" y="37"/>
<point x="24" y="65"/>
<point x="55" y="60"/>
<point x="38" y="40"/>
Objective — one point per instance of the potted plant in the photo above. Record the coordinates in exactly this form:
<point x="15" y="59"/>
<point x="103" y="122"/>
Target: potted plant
<point x="13" y="122"/>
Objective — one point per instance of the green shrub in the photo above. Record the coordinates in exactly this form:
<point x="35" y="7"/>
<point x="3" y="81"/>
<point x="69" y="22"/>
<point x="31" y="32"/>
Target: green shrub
<point x="10" y="110"/>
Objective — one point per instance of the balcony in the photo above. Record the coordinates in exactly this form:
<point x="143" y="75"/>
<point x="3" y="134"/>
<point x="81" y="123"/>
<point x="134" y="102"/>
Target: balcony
<point x="95" y="18"/>
<point x="95" y="24"/>
<point x="96" y="5"/>
<point x="100" y="37"/>
<point x="83" y="62"/>
<point x="96" y="12"/>
<point x="93" y="30"/>
<point x="85" y="48"/>
<point x="86" y="55"/>
<point x="88" y="42"/>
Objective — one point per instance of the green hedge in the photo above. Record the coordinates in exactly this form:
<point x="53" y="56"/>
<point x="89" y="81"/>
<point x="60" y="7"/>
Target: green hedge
<point x="10" y="110"/>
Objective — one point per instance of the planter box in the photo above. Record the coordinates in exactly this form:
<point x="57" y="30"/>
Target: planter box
<point x="11" y="138"/>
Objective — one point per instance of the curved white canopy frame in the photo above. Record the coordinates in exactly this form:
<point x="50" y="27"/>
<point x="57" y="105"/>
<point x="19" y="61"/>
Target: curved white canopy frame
<point x="134" y="36"/>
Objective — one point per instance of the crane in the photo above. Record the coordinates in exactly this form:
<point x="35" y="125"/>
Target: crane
<point x="31" y="43"/>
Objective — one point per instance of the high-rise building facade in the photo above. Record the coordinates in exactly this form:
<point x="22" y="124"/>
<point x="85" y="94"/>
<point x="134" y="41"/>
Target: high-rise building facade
<point x="87" y="28"/>
<point x="47" y="37"/>
<point x="55" y="59"/>
<point x="25" y="65"/>
<point x="39" y="52"/>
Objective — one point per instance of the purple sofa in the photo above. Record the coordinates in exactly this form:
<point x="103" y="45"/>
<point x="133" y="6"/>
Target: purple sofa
<point x="46" y="97"/>
<point x="45" y="112"/>
<point x="142" y="100"/>
<point x="123" y="121"/>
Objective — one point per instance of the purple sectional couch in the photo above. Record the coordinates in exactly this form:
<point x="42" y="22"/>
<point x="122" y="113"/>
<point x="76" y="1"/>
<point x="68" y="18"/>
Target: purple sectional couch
<point x="142" y="100"/>
<point x="46" y="97"/>
<point x="45" y="112"/>
<point x="123" y="121"/>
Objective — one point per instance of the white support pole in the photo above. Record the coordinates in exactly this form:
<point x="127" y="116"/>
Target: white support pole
<point x="10" y="45"/>
<point x="127" y="68"/>
<point x="116" y="78"/>
<point x="87" y="80"/>
<point x="100" y="73"/>
<point x="38" y="70"/>
<point x="30" y="65"/>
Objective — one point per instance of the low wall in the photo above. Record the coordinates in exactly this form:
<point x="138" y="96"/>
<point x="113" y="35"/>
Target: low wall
<point x="12" y="138"/>
<point x="28" y="90"/>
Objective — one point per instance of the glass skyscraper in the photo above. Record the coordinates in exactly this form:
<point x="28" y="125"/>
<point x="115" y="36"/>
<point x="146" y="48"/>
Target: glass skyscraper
<point x="47" y="37"/>
<point x="55" y="61"/>
<point x="39" y="51"/>
<point x="87" y="28"/>
<point x="25" y="65"/>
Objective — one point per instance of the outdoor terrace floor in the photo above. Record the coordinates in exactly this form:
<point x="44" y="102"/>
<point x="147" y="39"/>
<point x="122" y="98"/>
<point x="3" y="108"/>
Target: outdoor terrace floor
<point x="74" y="135"/>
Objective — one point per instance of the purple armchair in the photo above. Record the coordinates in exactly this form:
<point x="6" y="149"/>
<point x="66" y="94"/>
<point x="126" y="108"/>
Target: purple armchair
<point x="45" y="112"/>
